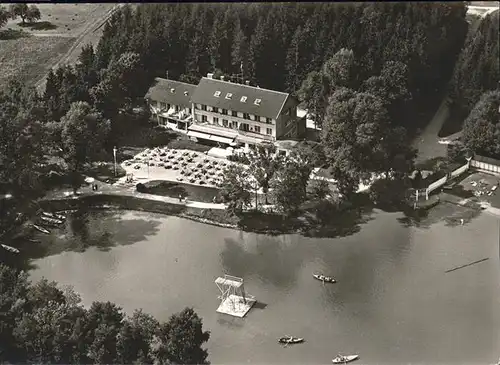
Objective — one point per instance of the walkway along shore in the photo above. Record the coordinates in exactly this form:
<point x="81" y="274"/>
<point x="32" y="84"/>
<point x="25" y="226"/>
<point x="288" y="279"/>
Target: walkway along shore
<point x="468" y="203"/>
<point x="138" y="201"/>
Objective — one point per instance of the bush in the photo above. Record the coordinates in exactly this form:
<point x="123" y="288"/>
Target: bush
<point x="141" y="188"/>
<point x="389" y="193"/>
<point x="326" y="211"/>
<point x="239" y="158"/>
<point x="318" y="189"/>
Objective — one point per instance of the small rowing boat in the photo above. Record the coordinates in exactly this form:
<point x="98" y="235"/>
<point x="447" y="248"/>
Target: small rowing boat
<point x="11" y="249"/>
<point x="51" y="220"/>
<point x="41" y="229"/>
<point x="288" y="340"/>
<point x="341" y="359"/>
<point x="325" y="279"/>
<point x="54" y="216"/>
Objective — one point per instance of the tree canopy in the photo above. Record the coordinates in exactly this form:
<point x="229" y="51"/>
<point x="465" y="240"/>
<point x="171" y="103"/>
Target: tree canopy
<point x="278" y="45"/>
<point x="83" y="134"/>
<point x="481" y="132"/>
<point x="43" y="324"/>
<point x="4" y="16"/>
<point x="26" y="13"/>
<point x="236" y="187"/>
<point x="476" y="70"/>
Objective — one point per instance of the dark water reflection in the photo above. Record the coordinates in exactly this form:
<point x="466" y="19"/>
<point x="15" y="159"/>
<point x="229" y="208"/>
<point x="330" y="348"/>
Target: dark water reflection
<point x="101" y="229"/>
<point x="393" y="302"/>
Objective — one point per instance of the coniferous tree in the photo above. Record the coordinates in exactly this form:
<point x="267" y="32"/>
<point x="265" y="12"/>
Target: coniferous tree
<point x="240" y="51"/>
<point x="477" y="69"/>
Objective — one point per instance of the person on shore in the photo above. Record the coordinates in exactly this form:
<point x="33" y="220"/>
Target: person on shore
<point x="461" y="221"/>
<point x="180" y="198"/>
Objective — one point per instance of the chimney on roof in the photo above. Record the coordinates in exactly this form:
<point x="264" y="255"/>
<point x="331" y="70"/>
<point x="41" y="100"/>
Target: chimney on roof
<point x="210" y="76"/>
<point x="247" y="82"/>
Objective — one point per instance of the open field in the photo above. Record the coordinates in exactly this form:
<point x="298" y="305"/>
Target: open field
<point x="64" y="20"/>
<point x="55" y="40"/>
<point x="484" y="3"/>
<point x="30" y="58"/>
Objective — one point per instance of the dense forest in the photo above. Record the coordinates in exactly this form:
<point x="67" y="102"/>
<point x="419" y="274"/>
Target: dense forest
<point x="476" y="71"/>
<point x="44" y="324"/>
<point x="365" y="69"/>
<point x="481" y="131"/>
<point x="276" y="45"/>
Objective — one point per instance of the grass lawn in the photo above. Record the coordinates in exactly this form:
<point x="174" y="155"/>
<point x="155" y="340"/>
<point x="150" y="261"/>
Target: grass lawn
<point x="135" y="132"/>
<point x="52" y="42"/>
<point x="29" y="58"/>
<point x="105" y="171"/>
<point x="63" y="19"/>
<point x="192" y="192"/>
<point x="173" y="189"/>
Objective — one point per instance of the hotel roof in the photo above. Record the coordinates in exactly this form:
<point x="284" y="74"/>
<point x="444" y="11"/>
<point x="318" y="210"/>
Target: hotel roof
<point x="171" y="92"/>
<point x="238" y="97"/>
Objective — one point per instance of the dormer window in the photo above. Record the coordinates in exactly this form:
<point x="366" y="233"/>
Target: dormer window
<point x="243" y="99"/>
<point x="172" y="90"/>
<point x="229" y="96"/>
<point x="257" y="101"/>
<point x="217" y="94"/>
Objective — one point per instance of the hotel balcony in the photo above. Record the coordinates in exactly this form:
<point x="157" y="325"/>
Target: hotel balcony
<point x="176" y="120"/>
<point x="228" y="136"/>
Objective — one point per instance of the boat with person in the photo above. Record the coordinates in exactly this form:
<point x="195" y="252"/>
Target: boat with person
<point x="324" y="278"/>
<point x="290" y="340"/>
<point x="54" y="215"/>
<point x="341" y="359"/>
<point x="51" y="220"/>
<point x="41" y="229"/>
<point x="11" y="249"/>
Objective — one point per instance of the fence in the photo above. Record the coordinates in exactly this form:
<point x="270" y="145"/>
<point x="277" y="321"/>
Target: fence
<point x="443" y="180"/>
<point x="460" y="170"/>
<point x="487" y="166"/>
<point x="435" y="185"/>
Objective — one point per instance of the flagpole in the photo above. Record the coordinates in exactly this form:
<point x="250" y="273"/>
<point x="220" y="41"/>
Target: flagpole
<point x="114" y="156"/>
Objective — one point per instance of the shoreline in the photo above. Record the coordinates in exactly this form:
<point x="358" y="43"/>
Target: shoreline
<point x="249" y="221"/>
<point x="214" y="217"/>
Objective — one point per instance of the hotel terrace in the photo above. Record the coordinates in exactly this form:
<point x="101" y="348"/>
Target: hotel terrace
<point x="226" y="114"/>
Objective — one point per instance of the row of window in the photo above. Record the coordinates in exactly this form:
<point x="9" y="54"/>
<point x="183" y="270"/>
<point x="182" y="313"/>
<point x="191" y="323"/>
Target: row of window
<point x="233" y="113"/>
<point x="165" y="106"/>
<point x="243" y="99"/>
<point x="234" y="125"/>
<point x="246" y="116"/>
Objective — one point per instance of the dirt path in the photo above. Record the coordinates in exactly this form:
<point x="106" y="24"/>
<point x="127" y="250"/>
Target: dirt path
<point x="107" y="189"/>
<point x="427" y="142"/>
<point x="87" y="35"/>
<point x="62" y="35"/>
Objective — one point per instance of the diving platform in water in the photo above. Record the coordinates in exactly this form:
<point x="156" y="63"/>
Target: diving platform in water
<point x="233" y="299"/>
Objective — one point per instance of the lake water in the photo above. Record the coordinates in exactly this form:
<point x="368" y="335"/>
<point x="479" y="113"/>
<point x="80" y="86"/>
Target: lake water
<point x="393" y="302"/>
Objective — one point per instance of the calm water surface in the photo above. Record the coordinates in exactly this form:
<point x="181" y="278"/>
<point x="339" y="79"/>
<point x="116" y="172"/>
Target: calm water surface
<point x="393" y="302"/>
